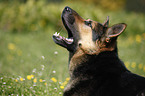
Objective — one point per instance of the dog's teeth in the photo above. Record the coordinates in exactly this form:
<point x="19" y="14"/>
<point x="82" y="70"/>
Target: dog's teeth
<point x="56" y="34"/>
<point x="69" y="40"/>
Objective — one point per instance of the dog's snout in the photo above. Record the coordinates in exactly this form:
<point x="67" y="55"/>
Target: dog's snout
<point x="68" y="9"/>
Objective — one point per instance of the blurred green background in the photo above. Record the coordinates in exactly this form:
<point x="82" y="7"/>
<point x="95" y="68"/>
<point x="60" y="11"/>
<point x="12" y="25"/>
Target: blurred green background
<point x="27" y="26"/>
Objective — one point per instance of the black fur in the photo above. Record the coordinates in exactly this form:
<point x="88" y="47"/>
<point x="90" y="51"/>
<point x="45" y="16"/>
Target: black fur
<point x="105" y="75"/>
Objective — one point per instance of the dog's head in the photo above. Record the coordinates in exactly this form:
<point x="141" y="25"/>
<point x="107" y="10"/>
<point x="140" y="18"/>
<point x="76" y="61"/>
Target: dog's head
<point x="87" y="35"/>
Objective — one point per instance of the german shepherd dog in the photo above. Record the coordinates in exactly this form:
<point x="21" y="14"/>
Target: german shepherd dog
<point x="94" y="66"/>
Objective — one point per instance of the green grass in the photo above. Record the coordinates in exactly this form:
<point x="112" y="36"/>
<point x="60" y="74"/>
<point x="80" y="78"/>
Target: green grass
<point x="34" y="53"/>
<point x="23" y="53"/>
<point x="16" y="65"/>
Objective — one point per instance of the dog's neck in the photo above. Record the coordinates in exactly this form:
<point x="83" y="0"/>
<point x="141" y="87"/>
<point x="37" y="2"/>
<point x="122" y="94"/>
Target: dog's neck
<point x="103" y="63"/>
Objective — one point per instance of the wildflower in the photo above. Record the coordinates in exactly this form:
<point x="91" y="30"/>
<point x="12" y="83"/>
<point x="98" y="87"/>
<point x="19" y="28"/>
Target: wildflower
<point x="45" y="91"/>
<point x="60" y="93"/>
<point x="60" y="82"/>
<point x="45" y="83"/>
<point x="34" y="91"/>
<point x="42" y="67"/>
<point x="138" y="38"/>
<point x="4" y="82"/>
<point x="35" y="80"/>
<point x="67" y="79"/>
<point x="133" y="65"/>
<point x="140" y="66"/>
<point x="55" y="88"/>
<point x="32" y="76"/>
<point x="39" y="73"/>
<point x="9" y="86"/>
<point x="16" y="80"/>
<point x="64" y="83"/>
<point x="11" y="46"/>
<point x="62" y="87"/>
<point x="21" y="79"/>
<point x="54" y="71"/>
<point x="40" y="80"/>
<point x="55" y="52"/>
<point x="34" y="71"/>
<point x="127" y="64"/>
<point x="29" y="77"/>
<point x="53" y="79"/>
<point x="31" y="87"/>
<point x="43" y="57"/>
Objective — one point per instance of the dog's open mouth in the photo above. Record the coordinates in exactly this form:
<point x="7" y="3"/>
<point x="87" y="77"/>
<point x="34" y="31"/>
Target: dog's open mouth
<point x="63" y="41"/>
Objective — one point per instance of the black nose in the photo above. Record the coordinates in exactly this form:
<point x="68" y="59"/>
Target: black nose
<point x="68" y="9"/>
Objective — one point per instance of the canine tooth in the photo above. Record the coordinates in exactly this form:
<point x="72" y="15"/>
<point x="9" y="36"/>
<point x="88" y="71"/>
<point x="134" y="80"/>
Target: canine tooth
<point x="56" y="34"/>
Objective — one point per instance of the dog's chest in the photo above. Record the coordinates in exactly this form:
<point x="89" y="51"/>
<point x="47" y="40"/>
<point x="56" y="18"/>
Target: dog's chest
<point x="78" y="58"/>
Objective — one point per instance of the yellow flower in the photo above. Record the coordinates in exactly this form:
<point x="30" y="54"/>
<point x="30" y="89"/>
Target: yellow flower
<point x="29" y="77"/>
<point x="62" y="87"/>
<point x="67" y="79"/>
<point x="45" y="83"/>
<point x="16" y="80"/>
<point x="35" y="80"/>
<point x="21" y="79"/>
<point x="32" y="76"/>
<point x="127" y="64"/>
<point x="138" y="38"/>
<point x="40" y="80"/>
<point x="53" y="79"/>
<point x="11" y="46"/>
<point x="64" y="83"/>
<point x="133" y="65"/>
<point x="140" y="66"/>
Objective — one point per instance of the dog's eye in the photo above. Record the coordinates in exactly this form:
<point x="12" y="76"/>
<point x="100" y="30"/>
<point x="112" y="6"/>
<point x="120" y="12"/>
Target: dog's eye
<point x="88" y="23"/>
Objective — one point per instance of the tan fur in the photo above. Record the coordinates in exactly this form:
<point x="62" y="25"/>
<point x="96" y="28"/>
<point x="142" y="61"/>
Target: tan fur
<point x="77" y="59"/>
<point x="86" y="41"/>
<point x="87" y="45"/>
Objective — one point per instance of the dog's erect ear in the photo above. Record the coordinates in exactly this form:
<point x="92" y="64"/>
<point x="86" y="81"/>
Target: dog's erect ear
<point x="115" y="30"/>
<point x="106" y="23"/>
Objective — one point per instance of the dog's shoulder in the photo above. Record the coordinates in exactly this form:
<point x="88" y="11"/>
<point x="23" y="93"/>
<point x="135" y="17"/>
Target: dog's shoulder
<point x="132" y="82"/>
